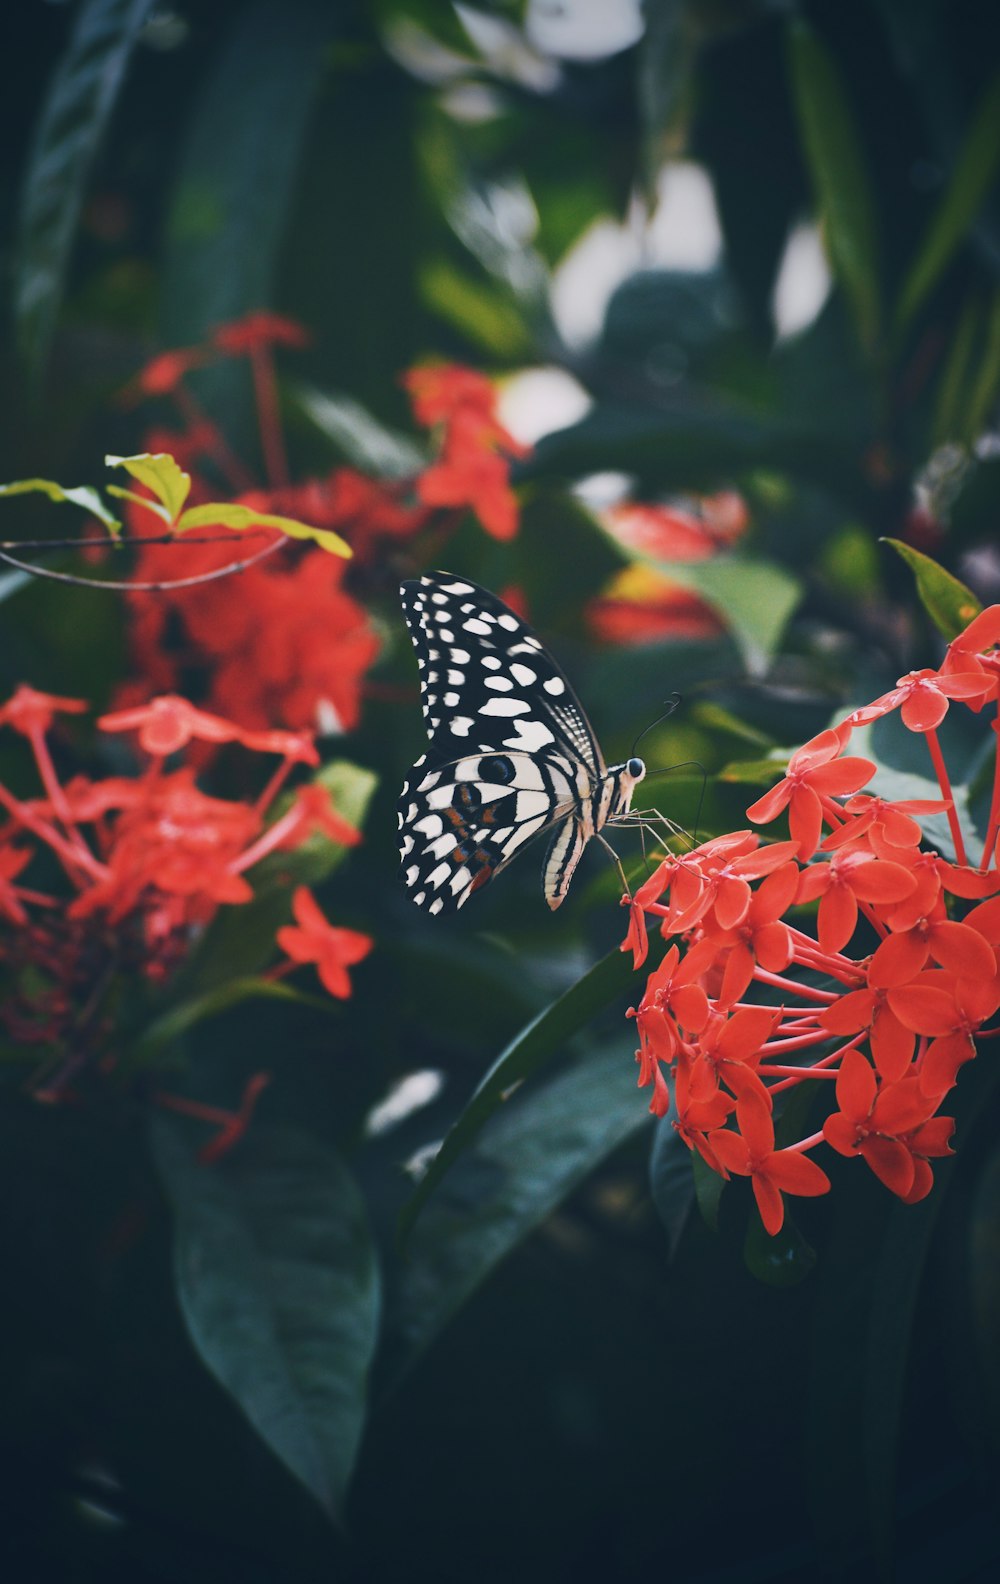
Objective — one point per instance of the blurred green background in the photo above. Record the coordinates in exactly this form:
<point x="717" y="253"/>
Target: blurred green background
<point x="703" y="246"/>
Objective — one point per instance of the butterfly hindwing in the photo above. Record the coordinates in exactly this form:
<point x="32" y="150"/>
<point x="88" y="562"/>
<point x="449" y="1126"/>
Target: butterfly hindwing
<point x="462" y="822"/>
<point x="487" y="683"/>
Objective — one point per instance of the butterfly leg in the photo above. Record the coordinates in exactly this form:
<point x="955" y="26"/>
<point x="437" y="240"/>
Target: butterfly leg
<point x="617" y="863"/>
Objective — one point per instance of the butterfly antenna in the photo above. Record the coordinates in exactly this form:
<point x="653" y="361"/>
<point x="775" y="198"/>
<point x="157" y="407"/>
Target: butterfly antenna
<point x="674" y="702"/>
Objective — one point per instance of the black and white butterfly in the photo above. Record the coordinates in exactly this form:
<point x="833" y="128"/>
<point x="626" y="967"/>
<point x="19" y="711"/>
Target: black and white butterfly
<point x="511" y="753"/>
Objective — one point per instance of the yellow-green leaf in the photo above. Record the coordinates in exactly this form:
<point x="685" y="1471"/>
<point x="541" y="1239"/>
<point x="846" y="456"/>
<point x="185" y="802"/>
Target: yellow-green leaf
<point x="950" y="605"/>
<point x="79" y="495"/>
<point x="161" y="474"/>
<point x="221" y="514"/>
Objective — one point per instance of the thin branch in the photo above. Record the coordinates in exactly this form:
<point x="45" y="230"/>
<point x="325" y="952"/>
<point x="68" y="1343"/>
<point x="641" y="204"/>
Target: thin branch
<point x="128" y="543"/>
<point x="126" y="587"/>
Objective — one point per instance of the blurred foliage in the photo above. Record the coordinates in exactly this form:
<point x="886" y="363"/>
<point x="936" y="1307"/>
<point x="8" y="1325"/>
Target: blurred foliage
<point x="570" y="1365"/>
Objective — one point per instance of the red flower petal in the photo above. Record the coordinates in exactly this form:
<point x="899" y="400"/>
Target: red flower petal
<point x="891" y="1162"/>
<point x="770" y="1204"/>
<point x="838" y="917"/>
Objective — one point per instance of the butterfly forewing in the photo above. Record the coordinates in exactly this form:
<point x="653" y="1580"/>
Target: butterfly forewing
<point x="486" y="682"/>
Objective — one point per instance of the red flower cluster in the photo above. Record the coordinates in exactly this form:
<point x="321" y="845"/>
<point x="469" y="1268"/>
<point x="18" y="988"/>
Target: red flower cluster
<point x="285" y="641"/>
<point x="914" y="993"/>
<point x="473" y="470"/>
<point x="146" y="861"/>
<point x="289" y="642"/>
<point x="640" y="604"/>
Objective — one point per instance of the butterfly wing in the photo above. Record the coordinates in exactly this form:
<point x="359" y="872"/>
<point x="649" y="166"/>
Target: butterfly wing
<point x="486" y="682"/>
<point x="511" y="752"/>
<point x="461" y="823"/>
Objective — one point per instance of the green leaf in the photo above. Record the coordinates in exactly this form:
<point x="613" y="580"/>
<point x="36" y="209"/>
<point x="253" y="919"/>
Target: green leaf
<point x="74" y="118"/>
<point x="366" y="443"/>
<point x="708" y="1190"/>
<point x="80" y="495"/>
<point x="227" y="515"/>
<point x="236" y="178"/>
<point x="671" y="1180"/>
<point x="480" y="311"/>
<point x="278" y="1285"/>
<point x="161" y="474"/>
<point x="987" y="381"/>
<point x="544" y="1038"/>
<point x="950" y="605"/>
<point x="964" y="193"/>
<point x="839" y="175"/>
<point x="754" y="598"/>
<point x="527" y="1159"/>
<point x="780" y="1261"/>
<point x="173" y="1025"/>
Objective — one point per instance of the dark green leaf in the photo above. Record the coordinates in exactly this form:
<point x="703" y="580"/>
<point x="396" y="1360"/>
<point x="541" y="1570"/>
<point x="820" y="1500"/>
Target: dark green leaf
<point x="74" y="119"/>
<point x="278" y="1285"/>
<point x="950" y="605"/>
<point x="966" y="188"/>
<point x="671" y="1180"/>
<point x="839" y="174"/>
<point x="236" y="177"/>
<point x="187" y="1014"/>
<point x="527" y="1159"/>
<point x="708" y="1189"/>
<point x="544" y="1038"/>
<point x="781" y="1261"/>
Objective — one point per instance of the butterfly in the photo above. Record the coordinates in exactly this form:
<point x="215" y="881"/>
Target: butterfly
<point x="510" y="755"/>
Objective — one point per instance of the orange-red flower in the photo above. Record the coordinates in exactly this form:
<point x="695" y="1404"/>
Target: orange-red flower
<point x="814" y="771"/>
<point x="317" y="941"/>
<point x="750" y="1152"/>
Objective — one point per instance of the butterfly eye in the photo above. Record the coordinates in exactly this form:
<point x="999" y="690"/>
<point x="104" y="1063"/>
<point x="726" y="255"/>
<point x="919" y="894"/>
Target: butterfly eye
<point x="636" y="769"/>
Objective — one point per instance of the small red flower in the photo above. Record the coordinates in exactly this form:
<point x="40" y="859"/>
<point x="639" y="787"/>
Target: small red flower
<point x="259" y="329"/>
<point x="922" y="698"/>
<point x="851" y="876"/>
<point x="815" y="771"/>
<point x="874" y="1121"/>
<point x="751" y="1153"/>
<point x="31" y="712"/>
<point x="168" y="723"/>
<point x="317" y="941"/>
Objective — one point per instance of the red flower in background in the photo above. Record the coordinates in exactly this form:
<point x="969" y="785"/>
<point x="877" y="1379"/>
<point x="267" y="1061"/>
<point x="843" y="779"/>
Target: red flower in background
<point x="134" y="868"/>
<point x="313" y="939"/>
<point x="473" y="467"/>
<point x="641" y="604"/>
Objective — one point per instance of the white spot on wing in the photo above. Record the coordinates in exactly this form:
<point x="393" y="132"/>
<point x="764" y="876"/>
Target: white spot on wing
<point x="505" y="706"/>
<point x="554" y="685"/>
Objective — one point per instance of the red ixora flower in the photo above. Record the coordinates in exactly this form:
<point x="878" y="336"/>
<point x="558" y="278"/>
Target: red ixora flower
<point x="260" y="329"/>
<point x="135" y="867"/>
<point x="885" y="993"/>
<point x="473" y="469"/>
<point x="750" y="1152"/>
<point x="317" y="941"/>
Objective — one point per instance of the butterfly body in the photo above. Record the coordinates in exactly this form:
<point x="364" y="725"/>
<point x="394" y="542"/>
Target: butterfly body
<point x="511" y="753"/>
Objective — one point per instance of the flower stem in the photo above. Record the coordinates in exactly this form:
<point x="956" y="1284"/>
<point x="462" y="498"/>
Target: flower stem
<point x="940" y="770"/>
